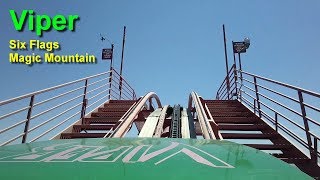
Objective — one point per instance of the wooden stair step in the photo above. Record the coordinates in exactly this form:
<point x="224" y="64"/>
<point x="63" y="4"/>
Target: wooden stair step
<point x="81" y="135"/>
<point x="227" y="109"/>
<point x="101" y="120"/>
<point x="270" y="146"/>
<point x="237" y="127"/>
<point x="107" y="114"/>
<point x="79" y="128"/>
<point x="116" y="106"/>
<point x="226" y="106"/>
<point x="122" y="101"/>
<point x="291" y="160"/>
<point x="231" y="114"/>
<point x="235" y="119"/>
<point x="222" y="102"/>
<point x="107" y="109"/>
<point x="227" y="102"/>
<point x="216" y="100"/>
<point x="249" y="136"/>
<point x="214" y="107"/>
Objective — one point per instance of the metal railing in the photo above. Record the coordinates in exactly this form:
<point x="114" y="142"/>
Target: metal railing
<point x="290" y="110"/>
<point x="42" y="114"/>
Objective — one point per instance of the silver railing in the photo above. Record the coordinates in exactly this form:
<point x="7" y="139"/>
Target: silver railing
<point x="292" y="111"/>
<point x="42" y="114"/>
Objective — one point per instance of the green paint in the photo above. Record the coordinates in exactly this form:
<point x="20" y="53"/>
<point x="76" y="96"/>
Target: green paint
<point x="42" y="22"/>
<point x="140" y="158"/>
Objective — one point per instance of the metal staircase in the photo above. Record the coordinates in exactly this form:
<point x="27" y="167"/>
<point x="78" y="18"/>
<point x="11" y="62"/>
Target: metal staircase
<point x="101" y="123"/>
<point x="237" y="122"/>
<point x="256" y="108"/>
<point x="90" y="107"/>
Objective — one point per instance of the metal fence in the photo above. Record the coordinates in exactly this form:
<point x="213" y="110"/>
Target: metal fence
<point x="290" y="110"/>
<point x="42" y="114"/>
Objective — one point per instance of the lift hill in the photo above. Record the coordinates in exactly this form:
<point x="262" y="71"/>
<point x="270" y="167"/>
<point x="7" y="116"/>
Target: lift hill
<point x="247" y="109"/>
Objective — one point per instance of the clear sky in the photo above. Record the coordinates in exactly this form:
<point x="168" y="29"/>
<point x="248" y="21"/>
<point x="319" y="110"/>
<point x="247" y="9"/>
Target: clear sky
<point x="172" y="47"/>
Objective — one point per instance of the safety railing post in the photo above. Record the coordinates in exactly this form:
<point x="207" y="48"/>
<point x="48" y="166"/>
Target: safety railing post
<point x="305" y="121"/>
<point x="240" y="67"/>
<point x="120" y="88"/>
<point x="235" y="79"/>
<point x="241" y="77"/>
<point x="133" y="95"/>
<point x="26" y="127"/>
<point x="254" y="106"/>
<point x="257" y="95"/>
<point x="241" y="84"/>
<point x="315" y="150"/>
<point x="110" y="81"/>
<point x="276" y="120"/>
<point x="84" y="101"/>
<point x="228" y="86"/>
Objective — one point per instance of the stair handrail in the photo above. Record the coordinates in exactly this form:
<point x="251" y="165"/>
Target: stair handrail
<point x="203" y="119"/>
<point x="49" y="89"/>
<point x="124" y="88"/>
<point x="110" y="131"/>
<point x="257" y="99"/>
<point x="51" y="108"/>
<point x="127" y="120"/>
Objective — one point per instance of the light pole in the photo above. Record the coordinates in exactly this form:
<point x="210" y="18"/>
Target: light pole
<point x="107" y="54"/>
<point x="240" y="47"/>
<point x="226" y="57"/>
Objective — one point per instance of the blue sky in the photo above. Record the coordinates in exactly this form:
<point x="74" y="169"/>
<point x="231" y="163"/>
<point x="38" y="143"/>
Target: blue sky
<point x="172" y="47"/>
